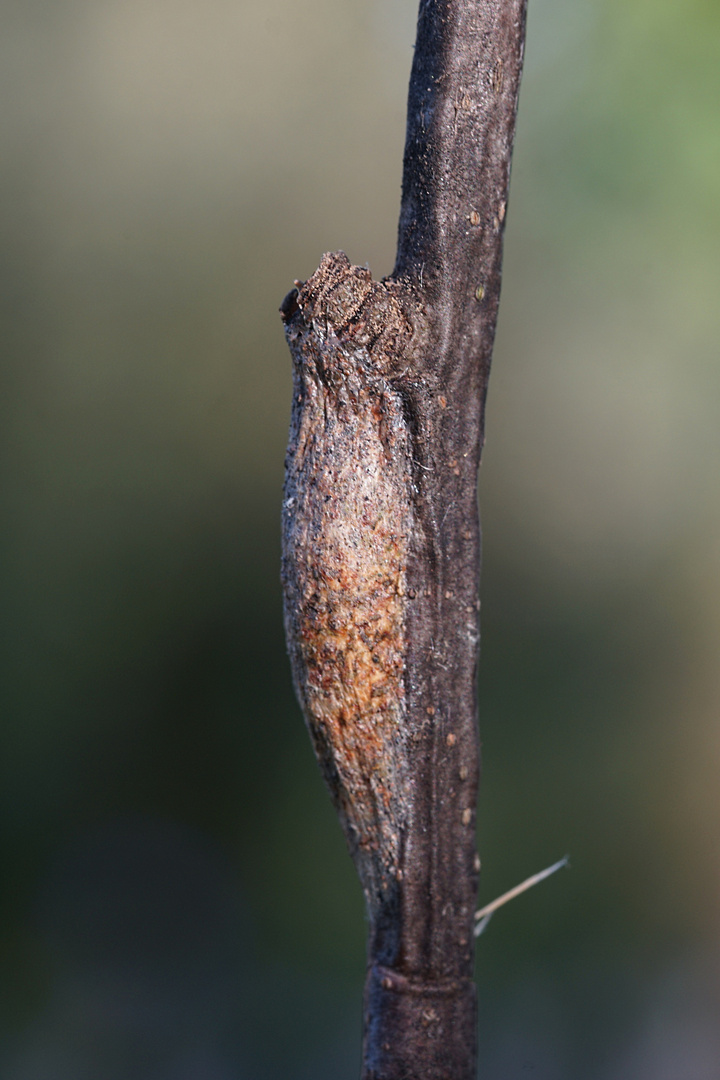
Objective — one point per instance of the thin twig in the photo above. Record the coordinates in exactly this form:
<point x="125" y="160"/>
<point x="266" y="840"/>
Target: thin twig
<point x="381" y="538"/>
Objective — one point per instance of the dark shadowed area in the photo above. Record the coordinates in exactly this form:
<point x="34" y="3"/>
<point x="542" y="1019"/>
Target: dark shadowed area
<point x="176" y="900"/>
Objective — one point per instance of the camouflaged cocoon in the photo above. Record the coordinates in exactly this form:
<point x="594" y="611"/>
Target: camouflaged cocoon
<point x="347" y="526"/>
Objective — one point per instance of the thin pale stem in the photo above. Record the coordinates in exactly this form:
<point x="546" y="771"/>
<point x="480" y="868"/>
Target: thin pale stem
<point x="484" y="913"/>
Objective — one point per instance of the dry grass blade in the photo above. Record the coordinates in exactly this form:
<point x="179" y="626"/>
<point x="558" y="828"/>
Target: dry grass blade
<point x="483" y="916"/>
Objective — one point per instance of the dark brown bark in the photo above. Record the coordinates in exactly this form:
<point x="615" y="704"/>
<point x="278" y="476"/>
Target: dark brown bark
<point x="382" y="542"/>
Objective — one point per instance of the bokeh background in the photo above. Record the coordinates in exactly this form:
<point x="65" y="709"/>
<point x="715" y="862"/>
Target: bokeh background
<point x="176" y="901"/>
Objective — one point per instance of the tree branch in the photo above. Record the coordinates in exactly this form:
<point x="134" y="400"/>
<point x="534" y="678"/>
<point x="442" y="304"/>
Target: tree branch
<point x="381" y="537"/>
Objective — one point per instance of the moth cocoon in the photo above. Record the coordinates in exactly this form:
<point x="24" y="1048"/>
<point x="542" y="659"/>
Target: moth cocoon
<point x="347" y="525"/>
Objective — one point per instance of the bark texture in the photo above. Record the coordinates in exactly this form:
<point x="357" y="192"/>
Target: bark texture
<point x="381" y="538"/>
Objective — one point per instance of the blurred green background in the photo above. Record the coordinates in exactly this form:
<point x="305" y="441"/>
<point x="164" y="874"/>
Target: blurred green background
<point x="176" y="901"/>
